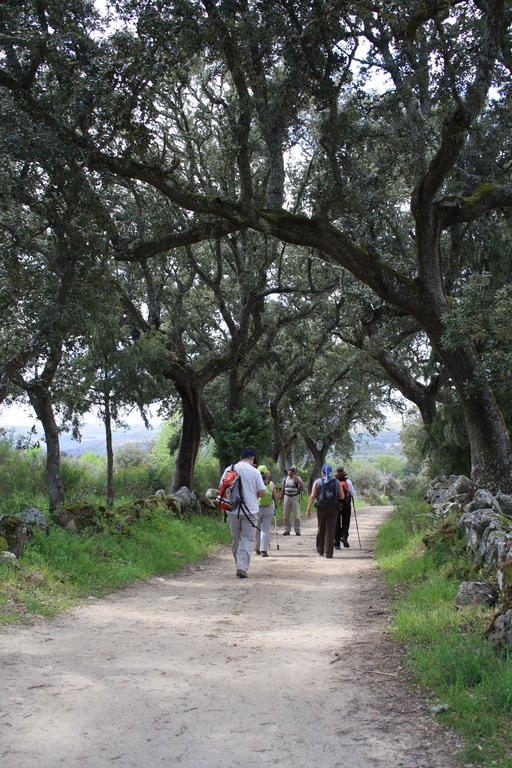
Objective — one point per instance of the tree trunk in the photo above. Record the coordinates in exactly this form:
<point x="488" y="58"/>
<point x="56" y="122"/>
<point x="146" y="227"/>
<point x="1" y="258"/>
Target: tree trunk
<point x="41" y="402"/>
<point x="279" y="449"/>
<point x="183" y="473"/>
<point x="318" y="460"/>
<point x="110" y="452"/>
<point x="489" y="442"/>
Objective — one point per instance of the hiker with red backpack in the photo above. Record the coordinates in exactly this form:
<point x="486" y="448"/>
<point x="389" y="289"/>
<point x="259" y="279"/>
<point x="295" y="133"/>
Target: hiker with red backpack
<point x="327" y="493"/>
<point x="343" y="519"/>
<point x="241" y="486"/>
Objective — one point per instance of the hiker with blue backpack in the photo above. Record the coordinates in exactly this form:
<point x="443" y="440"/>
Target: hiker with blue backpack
<point x="327" y="494"/>
<point x="241" y="487"/>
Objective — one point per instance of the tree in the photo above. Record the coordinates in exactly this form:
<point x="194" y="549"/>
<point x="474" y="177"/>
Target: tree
<point x="277" y="75"/>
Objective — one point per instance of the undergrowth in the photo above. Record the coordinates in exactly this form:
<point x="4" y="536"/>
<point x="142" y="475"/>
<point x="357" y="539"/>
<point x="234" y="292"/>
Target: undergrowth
<point x="448" y="652"/>
<point x="58" y="569"/>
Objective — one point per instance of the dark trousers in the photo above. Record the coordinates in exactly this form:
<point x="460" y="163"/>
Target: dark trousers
<point x="325" y="536"/>
<point x="342" y="524"/>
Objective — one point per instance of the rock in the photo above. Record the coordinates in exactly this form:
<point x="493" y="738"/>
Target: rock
<point x="185" y="494"/>
<point x="79" y="516"/>
<point x="498" y="545"/>
<point x="161" y="494"/>
<point x="476" y="593"/>
<point x="505" y="581"/>
<point x="7" y="557"/>
<point x="500" y="631"/>
<point x="34" y="518"/>
<point x="482" y="500"/>
<point x="505" y="503"/>
<point x="463" y="485"/>
<point x="211" y="493"/>
<point x="186" y="501"/>
<point x="15" y="532"/>
<point x="207" y="505"/>
<point x="474" y="524"/>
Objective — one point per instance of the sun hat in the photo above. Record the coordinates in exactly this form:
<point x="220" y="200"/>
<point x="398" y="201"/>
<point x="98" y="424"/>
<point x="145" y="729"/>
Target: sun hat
<point x="263" y="469"/>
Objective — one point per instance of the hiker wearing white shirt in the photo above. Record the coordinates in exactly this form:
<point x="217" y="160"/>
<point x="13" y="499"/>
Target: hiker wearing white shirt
<point x="244" y="519"/>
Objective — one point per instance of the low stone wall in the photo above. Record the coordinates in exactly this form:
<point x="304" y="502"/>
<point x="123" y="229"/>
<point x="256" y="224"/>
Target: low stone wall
<point x="485" y="522"/>
<point x="81" y="516"/>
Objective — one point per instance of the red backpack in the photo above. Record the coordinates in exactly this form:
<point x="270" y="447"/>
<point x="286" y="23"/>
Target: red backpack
<point x="228" y="497"/>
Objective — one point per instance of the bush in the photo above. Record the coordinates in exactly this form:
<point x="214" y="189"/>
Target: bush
<point x="367" y="480"/>
<point x="22" y="475"/>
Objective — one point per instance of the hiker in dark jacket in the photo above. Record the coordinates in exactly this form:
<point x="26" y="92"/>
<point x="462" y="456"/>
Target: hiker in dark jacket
<point x="343" y="519"/>
<point x="328" y="494"/>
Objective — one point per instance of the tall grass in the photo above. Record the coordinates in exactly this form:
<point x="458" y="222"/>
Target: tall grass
<point x="447" y="648"/>
<point x="58" y="569"/>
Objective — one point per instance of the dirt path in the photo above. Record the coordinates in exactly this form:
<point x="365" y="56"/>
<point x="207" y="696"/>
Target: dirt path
<point x="291" y="667"/>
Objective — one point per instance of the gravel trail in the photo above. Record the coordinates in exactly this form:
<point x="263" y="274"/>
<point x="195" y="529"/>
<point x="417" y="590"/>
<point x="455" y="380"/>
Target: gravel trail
<point x="291" y="667"/>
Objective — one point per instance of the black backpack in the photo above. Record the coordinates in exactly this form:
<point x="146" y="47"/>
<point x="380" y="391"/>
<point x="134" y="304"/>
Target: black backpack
<point x="327" y="494"/>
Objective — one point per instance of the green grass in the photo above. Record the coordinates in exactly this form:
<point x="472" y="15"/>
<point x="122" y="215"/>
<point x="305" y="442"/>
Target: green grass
<point x="58" y="569"/>
<point x="448" y="652"/>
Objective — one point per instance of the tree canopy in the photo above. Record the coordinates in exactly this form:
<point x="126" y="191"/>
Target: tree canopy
<point x="245" y="165"/>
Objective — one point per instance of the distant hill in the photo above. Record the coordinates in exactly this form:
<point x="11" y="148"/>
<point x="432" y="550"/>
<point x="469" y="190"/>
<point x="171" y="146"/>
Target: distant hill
<point x="93" y="438"/>
<point x="367" y="446"/>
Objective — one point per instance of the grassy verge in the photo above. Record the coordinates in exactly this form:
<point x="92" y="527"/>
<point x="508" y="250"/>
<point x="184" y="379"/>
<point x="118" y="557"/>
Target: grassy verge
<point x="58" y="569"/>
<point x="447" y="649"/>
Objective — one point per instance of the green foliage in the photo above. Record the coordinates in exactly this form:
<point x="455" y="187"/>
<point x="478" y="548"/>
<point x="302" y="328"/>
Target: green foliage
<point x="22" y="476"/>
<point x="367" y="480"/>
<point x="390" y="465"/>
<point x="59" y="569"/>
<point x="245" y="427"/>
<point x="448" y="446"/>
<point x="414" y="443"/>
<point x="447" y="649"/>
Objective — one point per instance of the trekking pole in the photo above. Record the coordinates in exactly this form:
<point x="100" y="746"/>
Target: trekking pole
<point x="275" y="526"/>
<point x="355" y="518"/>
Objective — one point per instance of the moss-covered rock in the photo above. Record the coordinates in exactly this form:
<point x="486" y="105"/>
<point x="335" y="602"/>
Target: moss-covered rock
<point x="80" y="516"/>
<point x="4" y="547"/>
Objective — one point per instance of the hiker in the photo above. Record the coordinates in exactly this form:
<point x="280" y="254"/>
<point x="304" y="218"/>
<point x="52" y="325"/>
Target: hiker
<point x="243" y="519"/>
<point x="328" y="493"/>
<point x="290" y="496"/>
<point x="343" y="521"/>
<point x="266" y="512"/>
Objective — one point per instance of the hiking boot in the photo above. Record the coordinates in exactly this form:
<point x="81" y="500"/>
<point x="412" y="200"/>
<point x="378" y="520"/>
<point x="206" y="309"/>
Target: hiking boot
<point x="297" y="533"/>
<point x="241" y="574"/>
<point x="337" y="546"/>
<point x="345" y="543"/>
<point x="264" y="554"/>
<point x="257" y="551"/>
<point x="286" y="533"/>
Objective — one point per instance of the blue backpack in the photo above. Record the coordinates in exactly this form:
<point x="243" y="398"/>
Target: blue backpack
<point x="327" y="494"/>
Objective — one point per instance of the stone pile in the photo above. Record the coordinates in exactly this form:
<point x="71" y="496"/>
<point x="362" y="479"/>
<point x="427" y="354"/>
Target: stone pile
<point x="485" y="522"/>
<point x="80" y="516"/>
